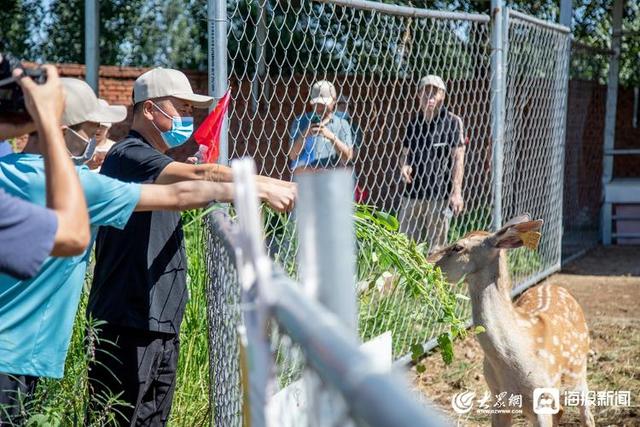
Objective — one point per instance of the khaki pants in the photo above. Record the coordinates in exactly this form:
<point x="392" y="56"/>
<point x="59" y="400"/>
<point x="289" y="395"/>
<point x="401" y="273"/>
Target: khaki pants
<point x="425" y="221"/>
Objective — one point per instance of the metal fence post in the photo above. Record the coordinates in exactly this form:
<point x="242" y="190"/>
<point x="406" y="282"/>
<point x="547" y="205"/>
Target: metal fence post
<point x="218" y="79"/>
<point x="258" y="85"/>
<point x="327" y="241"/>
<point x="92" y="43"/>
<point x="566" y="13"/>
<point x="610" y="115"/>
<point x="497" y="108"/>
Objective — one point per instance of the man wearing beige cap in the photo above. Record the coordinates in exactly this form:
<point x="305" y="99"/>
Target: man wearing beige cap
<point x="37" y="314"/>
<point x="432" y="167"/>
<point x="319" y="138"/>
<point x="139" y="283"/>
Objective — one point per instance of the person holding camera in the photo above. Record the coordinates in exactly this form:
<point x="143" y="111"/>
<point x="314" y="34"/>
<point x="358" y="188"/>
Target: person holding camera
<point x="320" y="138"/>
<point x="29" y="234"/>
<point x="432" y="167"/>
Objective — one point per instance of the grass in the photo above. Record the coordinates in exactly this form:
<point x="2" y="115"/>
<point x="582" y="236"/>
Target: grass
<point x="398" y="291"/>
<point x="64" y="402"/>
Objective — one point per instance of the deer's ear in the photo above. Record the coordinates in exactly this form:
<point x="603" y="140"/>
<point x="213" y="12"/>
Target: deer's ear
<point x="526" y="233"/>
<point x="517" y="220"/>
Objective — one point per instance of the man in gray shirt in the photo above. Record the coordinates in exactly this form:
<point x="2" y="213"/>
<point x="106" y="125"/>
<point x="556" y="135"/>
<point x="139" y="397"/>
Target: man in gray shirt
<point x="319" y="138"/>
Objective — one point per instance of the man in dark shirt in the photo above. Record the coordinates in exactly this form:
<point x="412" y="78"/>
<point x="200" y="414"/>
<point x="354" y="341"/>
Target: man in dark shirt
<point x="432" y="167"/>
<point x="139" y="283"/>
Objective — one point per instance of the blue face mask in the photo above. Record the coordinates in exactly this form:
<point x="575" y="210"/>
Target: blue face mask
<point x="181" y="129"/>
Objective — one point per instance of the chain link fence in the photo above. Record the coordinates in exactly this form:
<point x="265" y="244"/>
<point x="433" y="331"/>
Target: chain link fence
<point x="375" y="60"/>
<point x="375" y="55"/>
<point x="297" y="366"/>
<point x="537" y="55"/>
<point x="223" y="314"/>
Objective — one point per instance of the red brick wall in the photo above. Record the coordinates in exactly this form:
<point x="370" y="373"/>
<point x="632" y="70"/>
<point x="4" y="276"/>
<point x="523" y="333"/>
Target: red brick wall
<point x="262" y="137"/>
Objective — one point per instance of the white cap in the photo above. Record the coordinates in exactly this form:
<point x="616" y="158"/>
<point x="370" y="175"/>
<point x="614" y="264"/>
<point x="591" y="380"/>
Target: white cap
<point x="160" y="82"/>
<point x="104" y="104"/>
<point x="323" y="92"/>
<point x="432" y="80"/>
<point x="81" y="105"/>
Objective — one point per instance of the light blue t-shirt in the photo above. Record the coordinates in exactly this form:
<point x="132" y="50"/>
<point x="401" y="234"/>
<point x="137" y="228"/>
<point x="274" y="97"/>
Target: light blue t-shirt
<point x="318" y="151"/>
<point x="36" y="315"/>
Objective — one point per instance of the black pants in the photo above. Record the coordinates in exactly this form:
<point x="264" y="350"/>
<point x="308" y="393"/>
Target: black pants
<point x="15" y="393"/>
<point x="141" y="367"/>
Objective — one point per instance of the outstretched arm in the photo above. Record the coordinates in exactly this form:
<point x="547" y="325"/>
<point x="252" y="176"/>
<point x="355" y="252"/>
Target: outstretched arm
<point x="276" y="192"/>
<point x="185" y="195"/>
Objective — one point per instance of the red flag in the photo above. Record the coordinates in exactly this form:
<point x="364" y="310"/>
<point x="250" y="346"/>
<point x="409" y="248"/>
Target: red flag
<point x="208" y="133"/>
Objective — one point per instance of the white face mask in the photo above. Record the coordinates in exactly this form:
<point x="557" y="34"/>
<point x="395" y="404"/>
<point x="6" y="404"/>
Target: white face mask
<point x="89" y="149"/>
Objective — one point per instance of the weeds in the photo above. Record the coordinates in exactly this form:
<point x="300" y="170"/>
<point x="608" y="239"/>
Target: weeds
<point x="416" y="303"/>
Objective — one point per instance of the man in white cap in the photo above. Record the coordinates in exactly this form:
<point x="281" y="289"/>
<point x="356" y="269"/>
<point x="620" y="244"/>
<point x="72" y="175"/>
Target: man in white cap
<point x="320" y="138"/>
<point x="432" y="167"/>
<point x="139" y="283"/>
<point x="37" y="314"/>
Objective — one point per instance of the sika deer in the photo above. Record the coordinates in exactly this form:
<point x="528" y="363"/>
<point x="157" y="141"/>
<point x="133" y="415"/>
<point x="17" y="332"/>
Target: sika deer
<point x="540" y="341"/>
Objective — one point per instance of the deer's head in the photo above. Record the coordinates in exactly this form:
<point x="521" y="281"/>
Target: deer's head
<point x="479" y="249"/>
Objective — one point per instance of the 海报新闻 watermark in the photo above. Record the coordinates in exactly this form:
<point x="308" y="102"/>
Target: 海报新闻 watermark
<point x="544" y="400"/>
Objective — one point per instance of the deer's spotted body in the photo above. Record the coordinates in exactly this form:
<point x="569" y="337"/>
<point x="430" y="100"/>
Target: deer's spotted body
<point x="561" y="343"/>
<point x="540" y="341"/>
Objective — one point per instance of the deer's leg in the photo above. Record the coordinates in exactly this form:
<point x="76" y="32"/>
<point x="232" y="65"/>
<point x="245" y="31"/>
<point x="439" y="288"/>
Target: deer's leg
<point x="586" y="417"/>
<point x="490" y="377"/>
<point x="497" y="420"/>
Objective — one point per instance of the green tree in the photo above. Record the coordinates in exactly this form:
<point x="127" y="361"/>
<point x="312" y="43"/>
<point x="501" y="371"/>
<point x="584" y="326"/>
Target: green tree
<point x="63" y="26"/>
<point x="300" y="34"/>
<point x="17" y="26"/>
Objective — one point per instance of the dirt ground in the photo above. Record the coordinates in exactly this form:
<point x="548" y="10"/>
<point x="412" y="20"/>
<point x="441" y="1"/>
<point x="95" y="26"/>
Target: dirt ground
<point x="606" y="282"/>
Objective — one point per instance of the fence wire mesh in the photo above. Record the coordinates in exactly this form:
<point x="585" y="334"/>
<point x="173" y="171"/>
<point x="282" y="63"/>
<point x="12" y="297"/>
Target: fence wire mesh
<point x="536" y="95"/>
<point x="223" y="308"/>
<point x="302" y="398"/>
<point x="307" y="388"/>
<point x="375" y="59"/>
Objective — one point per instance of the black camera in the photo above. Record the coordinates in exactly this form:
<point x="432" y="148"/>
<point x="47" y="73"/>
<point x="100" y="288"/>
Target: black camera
<point x="11" y="96"/>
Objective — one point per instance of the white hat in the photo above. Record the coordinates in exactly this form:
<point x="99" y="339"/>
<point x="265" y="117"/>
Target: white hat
<point x="160" y="82"/>
<point x="432" y="80"/>
<point x="104" y="104"/>
<point x="323" y="92"/>
<point x="81" y="105"/>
